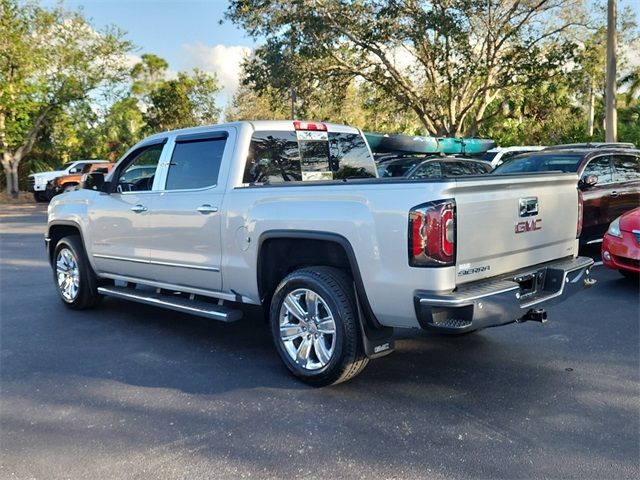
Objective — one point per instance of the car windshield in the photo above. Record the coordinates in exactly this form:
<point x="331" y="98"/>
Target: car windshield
<point x="540" y="163"/>
<point x="66" y="165"/>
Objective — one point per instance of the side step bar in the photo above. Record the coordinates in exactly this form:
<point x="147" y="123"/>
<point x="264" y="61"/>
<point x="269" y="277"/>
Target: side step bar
<point x="179" y="304"/>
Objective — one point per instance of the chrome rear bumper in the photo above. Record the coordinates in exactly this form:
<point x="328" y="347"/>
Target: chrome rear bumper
<point x="489" y="303"/>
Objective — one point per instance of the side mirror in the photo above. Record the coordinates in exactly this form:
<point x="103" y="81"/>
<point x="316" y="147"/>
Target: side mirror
<point x="589" y="181"/>
<point x="93" y="181"/>
<point x="74" y="170"/>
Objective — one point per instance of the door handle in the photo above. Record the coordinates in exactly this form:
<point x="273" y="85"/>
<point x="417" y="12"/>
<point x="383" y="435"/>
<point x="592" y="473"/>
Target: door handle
<point x="139" y="208"/>
<point x="206" y="209"/>
<point x="614" y="194"/>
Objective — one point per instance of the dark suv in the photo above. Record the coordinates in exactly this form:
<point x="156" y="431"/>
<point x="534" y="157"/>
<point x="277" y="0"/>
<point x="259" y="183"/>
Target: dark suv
<point x="609" y="181"/>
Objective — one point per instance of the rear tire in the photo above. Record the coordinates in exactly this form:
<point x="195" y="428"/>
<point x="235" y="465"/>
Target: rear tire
<point x="75" y="280"/>
<point x="315" y="328"/>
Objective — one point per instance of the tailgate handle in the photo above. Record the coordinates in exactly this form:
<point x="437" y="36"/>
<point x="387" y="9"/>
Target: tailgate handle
<point x="614" y="194"/>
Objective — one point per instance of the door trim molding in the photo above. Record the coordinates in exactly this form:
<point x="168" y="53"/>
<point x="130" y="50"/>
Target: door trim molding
<point x="155" y="262"/>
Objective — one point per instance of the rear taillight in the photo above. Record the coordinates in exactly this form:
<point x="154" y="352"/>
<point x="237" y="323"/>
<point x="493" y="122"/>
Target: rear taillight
<point x="313" y="126"/>
<point x="432" y="234"/>
<point x="580" y="214"/>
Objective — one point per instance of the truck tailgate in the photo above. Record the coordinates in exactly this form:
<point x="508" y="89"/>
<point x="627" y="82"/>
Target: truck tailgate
<point x="506" y="223"/>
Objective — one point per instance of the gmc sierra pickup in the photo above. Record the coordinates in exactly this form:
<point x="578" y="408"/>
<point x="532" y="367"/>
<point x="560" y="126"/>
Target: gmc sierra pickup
<point x="291" y="216"/>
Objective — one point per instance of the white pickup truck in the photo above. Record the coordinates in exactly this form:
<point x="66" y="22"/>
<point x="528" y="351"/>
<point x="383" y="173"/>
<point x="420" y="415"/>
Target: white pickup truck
<point x="37" y="182"/>
<point x="290" y="216"/>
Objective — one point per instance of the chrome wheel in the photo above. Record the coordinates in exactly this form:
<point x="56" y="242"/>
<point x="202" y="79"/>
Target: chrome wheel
<point x="307" y="329"/>
<point x="68" y="274"/>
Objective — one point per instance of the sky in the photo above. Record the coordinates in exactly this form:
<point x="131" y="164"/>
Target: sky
<point x="188" y="33"/>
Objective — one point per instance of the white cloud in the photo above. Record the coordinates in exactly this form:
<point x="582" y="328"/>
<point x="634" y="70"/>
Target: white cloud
<point x="223" y="60"/>
<point x="632" y="53"/>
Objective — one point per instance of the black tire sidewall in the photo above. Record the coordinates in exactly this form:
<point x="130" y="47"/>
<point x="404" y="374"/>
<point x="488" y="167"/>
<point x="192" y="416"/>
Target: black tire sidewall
<point x="87" y="293"/>
<point x="305" y="279"/>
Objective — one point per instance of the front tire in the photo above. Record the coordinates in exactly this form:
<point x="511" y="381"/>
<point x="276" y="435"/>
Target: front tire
<point x="40" y="197"/>
<point x="75" y="281"/>
<point x="315" y="328"/>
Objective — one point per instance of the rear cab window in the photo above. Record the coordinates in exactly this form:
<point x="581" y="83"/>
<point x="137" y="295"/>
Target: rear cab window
<point x="305" y="156"/>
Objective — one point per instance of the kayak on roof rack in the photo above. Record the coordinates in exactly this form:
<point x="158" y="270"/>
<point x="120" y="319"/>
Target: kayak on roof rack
<point x="384" y="143"/>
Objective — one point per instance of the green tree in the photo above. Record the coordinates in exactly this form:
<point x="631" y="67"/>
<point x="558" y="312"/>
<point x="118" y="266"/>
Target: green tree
<point x="187" y="100"/>
<point x="447" y="60"/>
<point x="49" y="60"/>
<point x="183" y="102"/>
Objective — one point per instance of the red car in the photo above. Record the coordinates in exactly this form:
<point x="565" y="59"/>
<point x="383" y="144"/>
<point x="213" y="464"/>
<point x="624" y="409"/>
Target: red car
<point x="621" y="244"/>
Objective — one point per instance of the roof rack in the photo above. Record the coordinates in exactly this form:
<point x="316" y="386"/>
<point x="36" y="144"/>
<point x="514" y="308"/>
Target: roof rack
<point x="568" y="146"/>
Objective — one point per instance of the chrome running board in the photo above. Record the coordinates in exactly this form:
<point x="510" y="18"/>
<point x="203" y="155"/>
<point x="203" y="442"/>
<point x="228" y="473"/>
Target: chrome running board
<point x="182" y="304"/>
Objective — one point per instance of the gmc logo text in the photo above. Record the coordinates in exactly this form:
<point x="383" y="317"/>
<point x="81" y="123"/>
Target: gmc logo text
<point x="528" y="225"/>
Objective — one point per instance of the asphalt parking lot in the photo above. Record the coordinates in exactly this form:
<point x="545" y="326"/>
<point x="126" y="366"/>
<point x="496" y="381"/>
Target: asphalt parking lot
<point x="130" y="391"/>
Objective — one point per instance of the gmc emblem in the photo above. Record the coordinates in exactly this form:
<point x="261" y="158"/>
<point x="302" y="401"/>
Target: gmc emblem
<point x="528" y="225"/>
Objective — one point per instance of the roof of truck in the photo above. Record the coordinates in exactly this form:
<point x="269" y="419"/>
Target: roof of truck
<point x="258" y="125"/>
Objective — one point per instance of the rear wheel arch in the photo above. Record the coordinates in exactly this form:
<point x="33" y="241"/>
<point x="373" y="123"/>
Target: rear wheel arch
<point x="279" y="254"/>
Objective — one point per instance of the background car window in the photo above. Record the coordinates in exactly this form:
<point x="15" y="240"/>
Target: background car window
<point x="195" y="164"/>
<point x="350" y="156"/>
<point x="487" y="157"/>
<point x="139" y="173"/>
<point x="428" y="170"/>
<point x="601" y="167"/>
<point x="627" y="167"/>
<point x="540" y="163"/>
<point x="451" y="169"/>
<point x="398" y="169"/>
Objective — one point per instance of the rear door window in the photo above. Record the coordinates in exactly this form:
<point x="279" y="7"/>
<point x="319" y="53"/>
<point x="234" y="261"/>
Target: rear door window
<point x="600" y="167"/>
<point x="627" y="168"/>
<point x="195" y="164"/>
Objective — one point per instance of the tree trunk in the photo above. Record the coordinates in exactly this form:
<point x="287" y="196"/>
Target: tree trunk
<point x="592" y="100"/>
<point x="10" y="166"/>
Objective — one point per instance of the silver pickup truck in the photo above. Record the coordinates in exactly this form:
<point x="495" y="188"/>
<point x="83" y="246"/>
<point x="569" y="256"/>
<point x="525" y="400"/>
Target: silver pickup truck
<point x="290" y="216"/>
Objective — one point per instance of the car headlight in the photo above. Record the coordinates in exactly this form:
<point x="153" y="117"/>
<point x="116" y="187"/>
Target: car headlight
<point x="41" y="181"/>
<point x="614" y="228"/>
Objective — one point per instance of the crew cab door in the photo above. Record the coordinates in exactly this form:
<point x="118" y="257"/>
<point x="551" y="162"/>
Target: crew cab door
<point x="598" y="210"/>
<point x="119" y="220"/>
<point x="185" y="224"/>
<point x="626" y="186"/>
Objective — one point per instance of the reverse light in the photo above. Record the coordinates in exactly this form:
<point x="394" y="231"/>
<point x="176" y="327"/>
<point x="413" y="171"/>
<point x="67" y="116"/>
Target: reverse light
<point x="313" y="126"/>
<point x="432" y="234"/>
<point x="614" y="228"/>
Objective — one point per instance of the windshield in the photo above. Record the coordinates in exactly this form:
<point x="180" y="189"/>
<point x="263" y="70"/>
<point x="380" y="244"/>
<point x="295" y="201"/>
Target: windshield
<point x="540" y="163"/>
<point x="64" y="166"/>
<point x="488" y="156"/>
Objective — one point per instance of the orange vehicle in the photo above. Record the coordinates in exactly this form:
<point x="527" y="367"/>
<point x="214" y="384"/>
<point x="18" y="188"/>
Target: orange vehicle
<point x="67" y="183"/>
